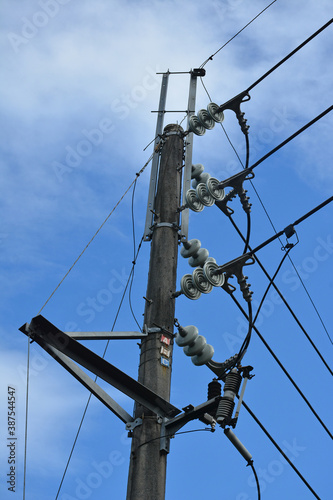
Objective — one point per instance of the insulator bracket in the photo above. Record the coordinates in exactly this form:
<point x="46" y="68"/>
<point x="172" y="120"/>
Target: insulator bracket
<point x="235" y="267"/>
<point x="236" y="183"/>
<point x="234" y="105"/>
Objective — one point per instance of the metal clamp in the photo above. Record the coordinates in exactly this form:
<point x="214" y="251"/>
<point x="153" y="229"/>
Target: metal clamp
<point x="131" y="425"/>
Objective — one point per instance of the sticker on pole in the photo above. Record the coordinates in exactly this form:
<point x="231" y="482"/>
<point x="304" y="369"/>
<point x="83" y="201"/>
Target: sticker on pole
<point x="165" y="340"/>
<point x="165" y="362"/>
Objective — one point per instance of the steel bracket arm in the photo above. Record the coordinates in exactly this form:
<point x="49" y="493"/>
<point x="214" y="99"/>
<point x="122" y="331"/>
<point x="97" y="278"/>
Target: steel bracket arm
<point x="202" y="412"/>
<point x="47" y="335"/>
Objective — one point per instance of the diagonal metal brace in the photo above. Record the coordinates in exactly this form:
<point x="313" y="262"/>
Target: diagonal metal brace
<point x="83" y="378"/>
<point x="41" y="330"/>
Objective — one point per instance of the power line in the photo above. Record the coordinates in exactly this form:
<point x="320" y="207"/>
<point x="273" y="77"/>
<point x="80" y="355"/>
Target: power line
<point x="279" y="449"/>
<point x="283" y="368"/>
<point x="96" y="233"/>
<point x="284" y="300"/>
<point x="289" y="55"/>
<point x="283" y="143"/>
<point x="233" y="37"/>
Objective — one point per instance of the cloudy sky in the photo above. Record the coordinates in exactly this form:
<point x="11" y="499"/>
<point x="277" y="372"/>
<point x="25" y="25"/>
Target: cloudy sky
<point x="78" y="86"/>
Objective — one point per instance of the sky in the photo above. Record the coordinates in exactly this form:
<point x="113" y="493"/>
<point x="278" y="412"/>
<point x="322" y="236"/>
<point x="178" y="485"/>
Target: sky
<point x="79" y="84"/>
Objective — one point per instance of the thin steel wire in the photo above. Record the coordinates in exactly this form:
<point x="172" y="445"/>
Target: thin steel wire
<point x="96" y="233"/>
<point x="233" y="37"/>
<point x="26" y="421"/>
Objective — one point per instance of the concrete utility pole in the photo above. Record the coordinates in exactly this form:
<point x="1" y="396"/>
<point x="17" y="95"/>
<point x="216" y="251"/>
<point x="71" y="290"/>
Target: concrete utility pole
<point x="147" y="472"/>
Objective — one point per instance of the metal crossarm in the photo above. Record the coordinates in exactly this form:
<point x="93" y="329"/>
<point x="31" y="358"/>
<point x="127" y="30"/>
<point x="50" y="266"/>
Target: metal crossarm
<point x="47" y="335"/>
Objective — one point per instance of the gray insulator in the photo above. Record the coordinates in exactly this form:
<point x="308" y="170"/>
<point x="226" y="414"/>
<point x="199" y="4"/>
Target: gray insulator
<point x="205" y="119"/>
<point x="195" y="126"/>
<point x="224" y="410"/>
<point x="186" y="335"/>
<point x="200" y="258"/>
<point x="204" y="196"/>
<point x="215" y="114"/>
<point x="197" y="169"/>
<point x="240" y="447"/>
<point x="200" y="281"/>
<point x="192" y="201"/>
<point x="214" y="389"/>
<point x="213" y="189"/>
<point x="196" y="347"/>
<point x="205" y="356"/>
<point x="188" y="288"/>
<point x="214" y="279"/>
<point x="190" y="248"/>
<point x="200" y="178"/>
<point x="232" y="382"/>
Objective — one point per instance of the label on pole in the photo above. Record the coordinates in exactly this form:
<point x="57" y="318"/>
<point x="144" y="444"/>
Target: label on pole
<point x="165" y="340"/>
<point x="165" y="352"/>
<point x="165" y="362"/>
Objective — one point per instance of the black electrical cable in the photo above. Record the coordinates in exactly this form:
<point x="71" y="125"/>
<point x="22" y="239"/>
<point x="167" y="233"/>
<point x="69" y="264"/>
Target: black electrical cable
<point x="248" y="232"/>
<point x="210" y="58"/>
<point x="328" y="110"/>
<point x="134" y="261"/>
<point x="271" y="281"/>
<point x="96" y="377"/>
<point x="298" y="221"/>
<point x="247" y="339"/>
<point x="283" y="368"/>
<point x="284" y="300"/>
<point x="279" y="449"/>
<point x="289" y="55"/>
<point x="256" y="478"/>
<point x="175" y="434"/>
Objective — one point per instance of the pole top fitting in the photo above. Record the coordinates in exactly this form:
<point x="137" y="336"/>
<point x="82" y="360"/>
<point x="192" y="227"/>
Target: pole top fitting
<point x="173" y="129"/>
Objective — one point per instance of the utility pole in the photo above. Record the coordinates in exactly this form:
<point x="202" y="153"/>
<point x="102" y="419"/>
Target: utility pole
<point x="147" y="471"/>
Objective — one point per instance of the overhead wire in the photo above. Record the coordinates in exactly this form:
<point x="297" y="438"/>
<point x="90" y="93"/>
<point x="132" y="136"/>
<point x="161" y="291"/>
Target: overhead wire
<point x="96" y="377"/>
<point x="284" y="300"/>
<point x="98" y="230"/>
<point x="256" y="478"/>
<point x="210" y="58"/>
<point x="279" y="449"/>
<point x="283" y="368"/>
<point x="26" y="420"/>
<point x="267" y="155"/>
<point x="134" y="260"/>
<point x="289" y="55"/>
<point x="252" y="321"/>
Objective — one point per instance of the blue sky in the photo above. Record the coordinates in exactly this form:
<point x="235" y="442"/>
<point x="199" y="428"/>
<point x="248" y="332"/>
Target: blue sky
<point x="74" y="72"/>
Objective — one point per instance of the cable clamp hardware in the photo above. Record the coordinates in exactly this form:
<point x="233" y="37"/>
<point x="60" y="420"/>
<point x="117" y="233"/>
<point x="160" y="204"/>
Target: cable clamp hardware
<point x="234" y="105"/>
<point x="235" y="267"/>
<point x="236" y="183"/>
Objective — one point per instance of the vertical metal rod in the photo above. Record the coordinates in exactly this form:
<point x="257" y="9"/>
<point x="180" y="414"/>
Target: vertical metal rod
<point x="188" y="157"/>
<point x="147" y="472"/>
<point x="154" y="167"/>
